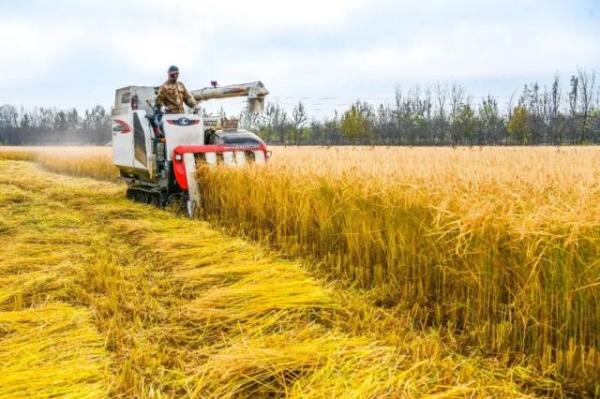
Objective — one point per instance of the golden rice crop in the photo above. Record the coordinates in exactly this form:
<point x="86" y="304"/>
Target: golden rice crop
<point x="101" y="297"/>
<point x="494" y="251"/>
<point x="499" y="246"/>
<point x="51" y="351"/>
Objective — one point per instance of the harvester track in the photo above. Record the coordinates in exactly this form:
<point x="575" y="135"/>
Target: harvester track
<point x="145" y="195"/>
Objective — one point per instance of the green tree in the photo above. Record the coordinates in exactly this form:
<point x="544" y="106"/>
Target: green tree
<point x="491" y="123"/>
<point x="519" y="127"/>
<point x="465" y="124"/>
<point x="357" y="122"/>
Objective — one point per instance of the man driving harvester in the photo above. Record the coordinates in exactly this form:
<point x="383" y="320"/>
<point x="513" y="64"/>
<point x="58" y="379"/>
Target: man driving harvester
<point x="172" y="95"/>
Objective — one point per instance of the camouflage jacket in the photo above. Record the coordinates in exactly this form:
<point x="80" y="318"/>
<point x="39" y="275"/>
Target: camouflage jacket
<point x="173" y="96"/>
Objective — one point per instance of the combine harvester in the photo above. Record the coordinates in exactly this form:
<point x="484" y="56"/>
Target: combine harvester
<point x="157" y="154"/>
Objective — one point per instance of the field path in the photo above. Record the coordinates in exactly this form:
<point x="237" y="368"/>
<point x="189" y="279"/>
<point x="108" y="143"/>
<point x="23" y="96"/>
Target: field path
<point x="100" y="297"/>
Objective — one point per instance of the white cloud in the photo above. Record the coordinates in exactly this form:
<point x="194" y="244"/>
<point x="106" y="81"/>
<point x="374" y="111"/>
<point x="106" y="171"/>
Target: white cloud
<point x="149" y="56"/>
<point x="28" y="50"/>
<point x="259" y="15"/>
<point x="194" y="34"/>
<point x="463" y="51"/>
<point x="310" y="48"/>
<point x="481" y="51"/>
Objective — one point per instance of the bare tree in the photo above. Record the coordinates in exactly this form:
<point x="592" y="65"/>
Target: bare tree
<point x="299" y="119"/>
<point x="555" y="104"/>
<point x="441" y="126"/>
<point x="274" y="123"/>
<point x="573" y="101"/>
<point x="587" y="85"/>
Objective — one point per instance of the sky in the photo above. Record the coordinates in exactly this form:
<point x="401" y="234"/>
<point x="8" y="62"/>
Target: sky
<point x="326" y="53"/>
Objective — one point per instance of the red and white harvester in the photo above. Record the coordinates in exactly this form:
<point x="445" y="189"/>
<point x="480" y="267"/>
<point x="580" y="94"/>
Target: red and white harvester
<point x="157" y="154"/>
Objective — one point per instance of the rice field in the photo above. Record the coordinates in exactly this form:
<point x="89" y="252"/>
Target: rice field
<point x="500" y="247"/>
<point x="373" y="272"/>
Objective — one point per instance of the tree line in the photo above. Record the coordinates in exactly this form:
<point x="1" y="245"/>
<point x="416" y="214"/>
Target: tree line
<point x="439" y="114"/>
<point x="40" y="126"/>
<point x="447" y="115"/>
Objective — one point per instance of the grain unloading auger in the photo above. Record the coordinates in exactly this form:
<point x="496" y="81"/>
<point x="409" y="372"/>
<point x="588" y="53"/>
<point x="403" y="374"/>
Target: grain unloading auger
<point x="157" y="154"/>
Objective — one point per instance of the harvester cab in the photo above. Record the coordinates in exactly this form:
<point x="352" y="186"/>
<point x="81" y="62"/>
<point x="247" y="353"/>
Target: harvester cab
<point x="157" y="155"/>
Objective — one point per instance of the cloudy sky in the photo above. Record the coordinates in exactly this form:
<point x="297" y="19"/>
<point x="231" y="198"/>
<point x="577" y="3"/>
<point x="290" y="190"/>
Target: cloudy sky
<point x="326" y="53"/>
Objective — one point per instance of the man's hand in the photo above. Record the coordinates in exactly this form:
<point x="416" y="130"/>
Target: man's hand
<point x="195" y="110"/>
<point x="162" y="109"/>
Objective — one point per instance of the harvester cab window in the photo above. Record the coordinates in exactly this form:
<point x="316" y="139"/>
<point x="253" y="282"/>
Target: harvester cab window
<point x="126" y="98"/>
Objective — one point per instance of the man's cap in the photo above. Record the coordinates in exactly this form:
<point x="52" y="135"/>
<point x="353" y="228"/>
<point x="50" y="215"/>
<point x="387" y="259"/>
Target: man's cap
<point x="173" y="69"/>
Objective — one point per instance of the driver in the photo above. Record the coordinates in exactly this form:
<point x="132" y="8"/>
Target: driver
<point x="173" y="94"/>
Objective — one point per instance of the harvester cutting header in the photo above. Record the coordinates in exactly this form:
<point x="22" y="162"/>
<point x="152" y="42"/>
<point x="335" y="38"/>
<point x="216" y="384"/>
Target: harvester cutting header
<point x="157" y="144"/>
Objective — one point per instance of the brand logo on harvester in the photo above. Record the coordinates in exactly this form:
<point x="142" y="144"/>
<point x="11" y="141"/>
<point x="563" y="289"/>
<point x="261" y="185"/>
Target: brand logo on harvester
<point x="120" y="126"/>
<point x="183" y="122"/>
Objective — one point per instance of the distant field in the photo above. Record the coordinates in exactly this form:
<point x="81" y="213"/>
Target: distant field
<point x="93" y="162"/>
<point x="494" y="250"/>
